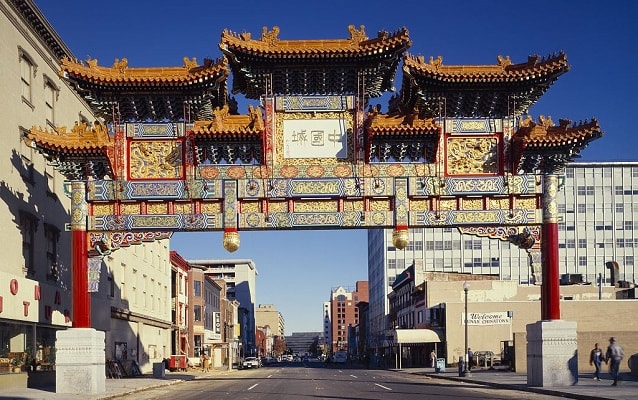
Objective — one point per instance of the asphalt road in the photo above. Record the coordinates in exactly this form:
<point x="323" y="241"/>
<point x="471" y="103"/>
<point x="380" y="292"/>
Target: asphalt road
<point x="292" y="381"/>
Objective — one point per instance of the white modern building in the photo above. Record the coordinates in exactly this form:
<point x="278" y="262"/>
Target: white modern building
<point x="133" y="305"/>
<point x="599" y="206"/>
<point x="240" y="276"/>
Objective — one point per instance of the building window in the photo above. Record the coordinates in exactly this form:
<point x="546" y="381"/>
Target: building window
<point x="197" y="288"/>
<point x="628" y="225"/>
<point x="28" y="225"/>
<point x="620" y="207"/>
<point x="582" y="243"/>
<point x="28" y="69"/>
<point x="581" y="190"/>
<point x="52" y="237"/>
<point x="197" y="310"/>
<point x="582" y="261"/>
<point x="26" y="156"/>
<point x="51" y="92"/>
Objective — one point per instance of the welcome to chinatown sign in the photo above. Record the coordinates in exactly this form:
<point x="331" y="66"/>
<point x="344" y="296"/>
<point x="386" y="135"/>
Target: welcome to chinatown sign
<point x="483" y="319"/>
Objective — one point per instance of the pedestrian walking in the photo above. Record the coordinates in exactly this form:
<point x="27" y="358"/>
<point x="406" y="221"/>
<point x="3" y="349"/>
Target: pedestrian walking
<point x="470" y="359"/>
<point x="433" y="359"/>
<point x="206" y="363"/>
<point x="614" y="356"/>
<point x="596" y="358"/>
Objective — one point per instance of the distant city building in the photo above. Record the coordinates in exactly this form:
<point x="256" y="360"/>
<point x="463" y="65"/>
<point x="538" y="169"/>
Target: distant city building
<point x="179" y="307"/>
<point x="267" y="315"/>
<point x="344" y="313"/>
<point x="327" y="324"/>
<point x="304" y="342"/>
<point x="240" y="277"/>
<point x="598" y="202"/>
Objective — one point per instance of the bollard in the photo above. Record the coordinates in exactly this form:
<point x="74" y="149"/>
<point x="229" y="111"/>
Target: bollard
<point x="461" y="366"/>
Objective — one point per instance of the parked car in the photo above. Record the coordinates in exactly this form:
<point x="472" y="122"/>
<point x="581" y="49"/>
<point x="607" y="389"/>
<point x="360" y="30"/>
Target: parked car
<point x="251" y="362"/>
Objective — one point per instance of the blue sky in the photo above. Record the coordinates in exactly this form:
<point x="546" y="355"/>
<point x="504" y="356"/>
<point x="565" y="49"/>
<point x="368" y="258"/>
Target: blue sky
<point x="599" y="38"/>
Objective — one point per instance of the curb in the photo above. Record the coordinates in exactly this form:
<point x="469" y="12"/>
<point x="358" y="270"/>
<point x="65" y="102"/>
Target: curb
<point x="532" y="389"/>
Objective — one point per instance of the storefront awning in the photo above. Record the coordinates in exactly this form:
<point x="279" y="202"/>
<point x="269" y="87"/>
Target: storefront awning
<point x="416" y="336"/>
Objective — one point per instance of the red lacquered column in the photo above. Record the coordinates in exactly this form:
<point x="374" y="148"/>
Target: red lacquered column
<point x="550" y="288"/>
<point x="81" y="300"/>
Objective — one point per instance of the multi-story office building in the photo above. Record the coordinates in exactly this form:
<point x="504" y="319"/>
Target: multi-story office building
<point x="203" y="308"/>
<point x="598" y="202"/>
<point x="35" y="300"/>
<point x="179" y="306"/>
<point x="240" y="276"/>
<point x="304" y="342"/>
<point x="267" y="315"/>
<point x="344" y="312"/>
<point x="136" y="290"/>
<point x="327" y="325"/>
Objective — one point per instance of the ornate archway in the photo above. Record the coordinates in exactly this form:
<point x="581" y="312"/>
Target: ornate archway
<point x="455" y="148"/>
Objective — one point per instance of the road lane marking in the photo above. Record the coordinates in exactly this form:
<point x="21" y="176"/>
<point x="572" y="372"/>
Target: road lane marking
<point x="354" y="376"/>
<point x="269" y="376"/>
<point x="253" y="386"/>
<point x="384" y="387"/>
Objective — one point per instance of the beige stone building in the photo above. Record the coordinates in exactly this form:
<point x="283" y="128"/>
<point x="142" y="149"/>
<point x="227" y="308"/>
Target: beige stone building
<point x="499" y="312"/>
<point x="267" y="315"/>
<point x="35" y="299"/>
<point x="132" y="304"/>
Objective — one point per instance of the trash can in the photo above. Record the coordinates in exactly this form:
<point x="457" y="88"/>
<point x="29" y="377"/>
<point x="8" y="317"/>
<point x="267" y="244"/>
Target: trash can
<point x="158" y="370"/>
<point x="440" y="365"/>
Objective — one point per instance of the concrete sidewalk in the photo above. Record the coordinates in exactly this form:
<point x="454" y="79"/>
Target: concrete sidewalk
<point x="585" y="388"/>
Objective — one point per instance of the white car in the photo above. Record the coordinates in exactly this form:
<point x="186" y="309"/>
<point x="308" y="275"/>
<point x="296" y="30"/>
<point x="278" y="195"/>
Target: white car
<point x="251" y="362"/>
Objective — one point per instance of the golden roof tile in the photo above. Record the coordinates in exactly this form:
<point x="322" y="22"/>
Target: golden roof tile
<point x="120" y="72"/>
<point x="81" y="138"/>
<point x="545" y="133"/>
<point x="270" y="43"/>
<point x="377" y="123"/>
<point x="503" y="70"/>
<point x="226" y="125"/>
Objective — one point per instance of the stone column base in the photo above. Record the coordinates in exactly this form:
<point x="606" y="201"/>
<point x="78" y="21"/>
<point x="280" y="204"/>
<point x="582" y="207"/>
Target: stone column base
<point x="552" y="353"/>
<point x="80" y="361"/>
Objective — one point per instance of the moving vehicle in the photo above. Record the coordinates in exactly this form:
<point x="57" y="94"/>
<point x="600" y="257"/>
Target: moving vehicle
<point x="251" y="362"/>
<point x="341" y="356"/>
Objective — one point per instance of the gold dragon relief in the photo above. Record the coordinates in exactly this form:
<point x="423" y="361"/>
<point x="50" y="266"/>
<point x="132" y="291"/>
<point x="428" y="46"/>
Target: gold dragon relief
<point x="155" y="159"/>
<point x="470" y="156"/>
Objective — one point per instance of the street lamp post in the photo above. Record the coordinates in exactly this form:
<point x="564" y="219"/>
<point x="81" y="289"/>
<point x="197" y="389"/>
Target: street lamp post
<point x="466" y="371"/>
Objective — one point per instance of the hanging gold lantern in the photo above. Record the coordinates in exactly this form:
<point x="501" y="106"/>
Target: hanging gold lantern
<point x="231" y="240"/>
<point x="400" y="237"/>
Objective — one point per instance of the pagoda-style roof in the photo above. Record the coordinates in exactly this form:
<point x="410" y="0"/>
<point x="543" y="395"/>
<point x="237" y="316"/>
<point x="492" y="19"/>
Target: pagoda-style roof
<point x="357" y="65"/>
<point x="224" y="125"/>
<point x="542" y="146"/>
<point x="229" y="138"/>
<point x="495" y="91"/>
<point x="150" y="94"/>
<point x="79" y="154"/>
<point x="378" y="124"/>
<point x="401" y="137"/>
